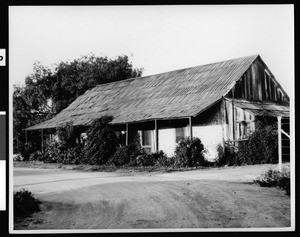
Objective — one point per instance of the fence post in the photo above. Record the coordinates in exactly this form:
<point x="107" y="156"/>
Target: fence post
<point x="279" y="144"/>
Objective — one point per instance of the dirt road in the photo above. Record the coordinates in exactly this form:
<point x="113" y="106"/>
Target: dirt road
<point x="210" y="198"/>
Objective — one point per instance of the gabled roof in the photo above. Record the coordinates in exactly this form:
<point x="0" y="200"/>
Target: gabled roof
<point x="175" y="94"/>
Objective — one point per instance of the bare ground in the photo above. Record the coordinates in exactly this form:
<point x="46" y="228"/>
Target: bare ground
<point x="212" y="198"/>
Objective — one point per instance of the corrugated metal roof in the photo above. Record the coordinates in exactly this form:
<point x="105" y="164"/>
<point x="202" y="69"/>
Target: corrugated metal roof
<point x="264" y="108"/>
<point x="175" y="94"/>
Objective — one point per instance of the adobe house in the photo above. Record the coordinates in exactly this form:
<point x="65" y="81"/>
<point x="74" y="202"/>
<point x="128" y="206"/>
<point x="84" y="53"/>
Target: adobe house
<point x="219" y="102"/>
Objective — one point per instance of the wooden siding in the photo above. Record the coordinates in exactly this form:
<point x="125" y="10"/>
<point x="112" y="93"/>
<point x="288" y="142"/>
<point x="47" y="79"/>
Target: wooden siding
<point x="258" y="84"/>
<point x="238" y="123"/>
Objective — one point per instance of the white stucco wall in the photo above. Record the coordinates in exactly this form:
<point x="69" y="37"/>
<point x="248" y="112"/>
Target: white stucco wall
<point x="211" y="137"/>
<point x="167" y="140"/>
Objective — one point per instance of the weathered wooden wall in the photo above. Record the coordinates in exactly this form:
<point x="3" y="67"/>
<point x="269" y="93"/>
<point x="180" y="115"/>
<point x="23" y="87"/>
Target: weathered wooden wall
<point x="258" y="84"/>
<point x="238" y="123"/>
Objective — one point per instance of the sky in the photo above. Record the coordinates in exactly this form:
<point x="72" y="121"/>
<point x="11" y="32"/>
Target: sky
<point x="156" y="38"/>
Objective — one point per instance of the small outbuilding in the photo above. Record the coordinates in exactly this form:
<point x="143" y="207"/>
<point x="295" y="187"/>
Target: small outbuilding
<point x="218" y="103"/>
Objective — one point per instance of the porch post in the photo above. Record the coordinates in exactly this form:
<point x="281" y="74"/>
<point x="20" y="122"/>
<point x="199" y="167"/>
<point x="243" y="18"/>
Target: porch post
<point x="223" y="114"/>
<point x="233" y="122"/>
<point x="191" y="127"/>
<point x="126" y="142"/>
<point x="279" y="144"/>
<point x="156" y="136"/>
<point x="42" y="135"/>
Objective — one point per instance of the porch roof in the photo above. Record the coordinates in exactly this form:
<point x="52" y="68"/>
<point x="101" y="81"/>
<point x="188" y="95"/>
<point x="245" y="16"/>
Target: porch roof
<point x="259" y="108"/>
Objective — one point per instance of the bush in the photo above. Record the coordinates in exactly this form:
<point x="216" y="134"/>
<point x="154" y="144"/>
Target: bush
<point x="121" y="156"/>
<point x="189" y="152"/>
<point x="225" y="157"/>
<point x="37" y="155"/>
<point x="26" y="151"/>
<point x="67" y="150"/>
<point x="25" y="204"/>
<point x="127" y="154"/>
<point x="52" y="153"/>
<point x="18" y="157"/>
<point x="72" y="155"/>
<point x="166" y="161"/>
<point x="101" y="143"/>
<point x="55" y="154"/>
<point x="68" y="136"/>
<point x="260" y="148"/>
<point x="151" y="159"/>
<point x="285" y="182"/>
<point x="275" y="178"/>
<point x="134" y="155"/>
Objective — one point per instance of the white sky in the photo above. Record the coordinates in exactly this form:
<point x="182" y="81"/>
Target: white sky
<point x="157" y="38"/>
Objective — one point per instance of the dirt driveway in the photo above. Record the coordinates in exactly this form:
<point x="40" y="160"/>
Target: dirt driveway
<point x="212" y="198"/>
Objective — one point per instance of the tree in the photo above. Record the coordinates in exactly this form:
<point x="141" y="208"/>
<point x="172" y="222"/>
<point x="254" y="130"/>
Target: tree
<point x="31" y="105"/>
<point x="74" y="78"/>
<point x="26" y="112"/>
<point x="20" y="117"/>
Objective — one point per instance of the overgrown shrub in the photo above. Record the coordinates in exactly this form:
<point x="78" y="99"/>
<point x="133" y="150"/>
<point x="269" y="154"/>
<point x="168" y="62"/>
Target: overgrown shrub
<point x="225" y="156"/>
<point x="68" y="149"/>
<point x="18" y="157"/>
<point x="26" y="151"/>
<point x="260" y="148"/>
<point x="37" y="155"/>
<point x="126" y="155"/>
<point x="52" y="152"/>
<point x="275" y="178"/>
<point x="101" y="143"/>
<point x="166" y="161"/>
<point x="121" y="156"/>
<point x="55" y="154"/>
<point x="72" y="155"/>
<point x="68" y="136"/>
<point x="189" y="152"/>
<point x="151" y="159"/>
<point x="285" y="182"/>
<point x="25" y="204"/>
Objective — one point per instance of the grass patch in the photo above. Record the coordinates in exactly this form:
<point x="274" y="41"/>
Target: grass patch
<point x="103" y="168"/>
<point x="275" y="178"/>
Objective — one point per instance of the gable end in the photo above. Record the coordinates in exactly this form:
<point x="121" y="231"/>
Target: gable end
<point x="258" y="84"/>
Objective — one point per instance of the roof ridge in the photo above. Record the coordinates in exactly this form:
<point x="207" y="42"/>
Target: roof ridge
<point x="134" y="78"/>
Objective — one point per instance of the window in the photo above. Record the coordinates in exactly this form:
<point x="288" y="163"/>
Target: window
<point x="179" y="134"/>
<point x="146" y="138"/>
<point x="243" y="130"/>
<point x="147" y="141"/>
